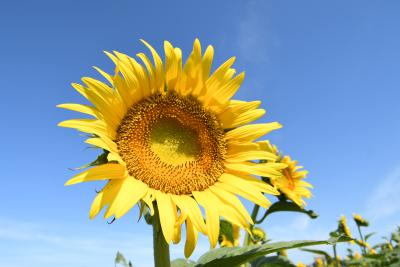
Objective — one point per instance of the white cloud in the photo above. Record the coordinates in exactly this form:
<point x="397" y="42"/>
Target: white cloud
<point x="253" y="37"/>
<point x="385" y="200"/>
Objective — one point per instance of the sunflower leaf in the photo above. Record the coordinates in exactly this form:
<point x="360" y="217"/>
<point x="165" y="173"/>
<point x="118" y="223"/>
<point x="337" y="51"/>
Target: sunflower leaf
<point x="234" y="256"/>
<point x="120" y="259"/>
<point x="182" y="263"/>
<point x="284" y="205"/>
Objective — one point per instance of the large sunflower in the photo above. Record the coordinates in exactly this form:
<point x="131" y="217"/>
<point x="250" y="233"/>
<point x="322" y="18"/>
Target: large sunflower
<point x="175" y="138"/>
<point x="291" y="183"/>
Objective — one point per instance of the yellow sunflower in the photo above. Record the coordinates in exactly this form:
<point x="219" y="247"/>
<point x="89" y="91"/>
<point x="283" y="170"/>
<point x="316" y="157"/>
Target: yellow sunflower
<point x="291" y="183"/>
<point x="175" y="138"/>
<point x="360" y="221"/>
<point x="343" y="228"/>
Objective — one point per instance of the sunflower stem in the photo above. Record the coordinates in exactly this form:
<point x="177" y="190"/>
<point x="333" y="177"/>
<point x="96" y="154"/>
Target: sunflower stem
<point x="335" y="256"/>
<point x="254" y="213"/>
<point x="161" y="247"/>
<point x="363" y="250"/>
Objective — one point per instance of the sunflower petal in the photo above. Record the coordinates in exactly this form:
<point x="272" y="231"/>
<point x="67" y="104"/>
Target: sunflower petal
<point x="191" y="238"/>
<point x="212" y="217"/>
<point x="252" y="131"/>
<point x="168" y="214"/>
<point x="101" y="172"/>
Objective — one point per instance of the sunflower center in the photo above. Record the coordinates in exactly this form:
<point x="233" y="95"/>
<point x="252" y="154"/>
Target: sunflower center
<point x="172" y="144"/>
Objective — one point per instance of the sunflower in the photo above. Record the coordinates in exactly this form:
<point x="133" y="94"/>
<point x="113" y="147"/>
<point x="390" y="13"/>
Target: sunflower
<point x="319" y="262"/>
<point x="175" y="138"/>
<point x="360" y="221"/>
<point x="343" y="228"/>
<point x="291" y="183"/>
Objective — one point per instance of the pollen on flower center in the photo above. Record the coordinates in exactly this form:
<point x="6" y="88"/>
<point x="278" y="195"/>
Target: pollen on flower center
<point x="172" y="144"/>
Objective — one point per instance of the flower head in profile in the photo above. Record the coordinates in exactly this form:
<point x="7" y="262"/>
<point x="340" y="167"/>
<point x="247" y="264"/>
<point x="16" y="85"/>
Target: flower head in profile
<point x="319" y="262"/>
<point x="343" y="228"/>
<point x="363" y="243"/>
<point x="173" y="137"/>
<point x="357" y="255"/>
<point x="291" y="183"/>
<point x="360" y="221"/>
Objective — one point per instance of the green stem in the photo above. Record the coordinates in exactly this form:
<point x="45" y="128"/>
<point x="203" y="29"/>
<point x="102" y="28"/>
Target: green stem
<point x="161" y="247"/>
<point x="254" y="213"/>
<point x="362" y="239"/>
<point x="335" y="256"/>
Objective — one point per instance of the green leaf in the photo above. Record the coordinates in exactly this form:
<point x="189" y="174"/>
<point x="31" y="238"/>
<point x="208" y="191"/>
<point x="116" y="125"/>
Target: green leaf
<point x="120" y="259"/>
<point x="284" y="205"/>
<point x="226" y="229"/>
<point x="368" y="236"/>
<point x="233" y="256"/>
<point x="101" y="159"/>
<point x="182" y="263"/>
<point x="273" y="261"/>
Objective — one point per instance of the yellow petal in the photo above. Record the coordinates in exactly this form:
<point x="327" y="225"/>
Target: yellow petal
<point x="89" y="126"/>
<point x="101" y="172"/>
<point x="104" y="197"/>
<point x="168" y="214"/>
<point x="191" y="238"/>
<point x="189" y="206"/>
<point x="106" y="144"/>
<point x="212" y="217"/>
<point x="171" y="66"/>
<point x="150" y="68"/>
<point x="240" y="152"/>
<point x="252" y="131"/>
<point x="207" y="61"/>
<point x="224" y="94"/>
<point x="159" y="68"/>
<point x="249" y="182"/>
<point x="228" y="210"/>
<point x="129" y="194"/>
<point x="231" y="199"/>
<point x="254" y="196"/>
<point x="271" y="170"/>
<point x="80" y="108"/>
<point x="232" y="120"/>
<point x="105" y="75"/>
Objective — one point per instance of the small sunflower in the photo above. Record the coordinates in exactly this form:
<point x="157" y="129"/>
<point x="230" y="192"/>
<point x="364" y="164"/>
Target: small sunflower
<point x="363" y="243"/>
<point x="343" y="228"/>
<point x="319" y="262"/>
<point x="357" y="255"/>
<point x="360" y="221"/>
<point x="175" y="138"/>
<point x="291" y="183"/>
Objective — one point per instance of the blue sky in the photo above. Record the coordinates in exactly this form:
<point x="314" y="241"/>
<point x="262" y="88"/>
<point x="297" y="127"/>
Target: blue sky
<point x="328" y="71"/>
